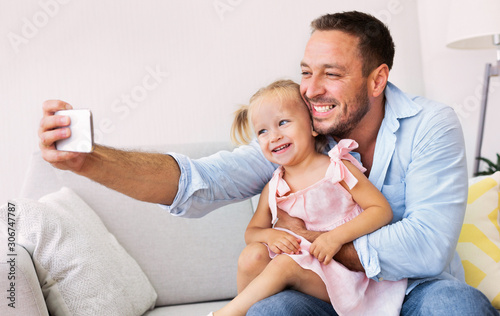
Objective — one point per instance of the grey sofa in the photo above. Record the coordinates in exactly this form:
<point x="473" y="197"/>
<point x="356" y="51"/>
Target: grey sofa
<point x="191" y="263"/>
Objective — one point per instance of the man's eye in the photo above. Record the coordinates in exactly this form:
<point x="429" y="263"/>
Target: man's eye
<point x="332" y="74"/>
<point x="305" y="73"/>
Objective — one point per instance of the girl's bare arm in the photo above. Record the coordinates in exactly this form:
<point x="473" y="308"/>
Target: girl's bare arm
<point x="259" y="229"/>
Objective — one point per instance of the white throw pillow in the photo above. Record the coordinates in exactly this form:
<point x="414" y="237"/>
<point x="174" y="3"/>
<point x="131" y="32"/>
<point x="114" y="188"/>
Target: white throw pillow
<point x="82" y="268"/>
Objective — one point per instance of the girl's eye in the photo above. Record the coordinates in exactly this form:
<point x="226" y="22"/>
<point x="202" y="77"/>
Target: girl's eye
<point x="283" y="122"/>
<point x="262" y="131"/>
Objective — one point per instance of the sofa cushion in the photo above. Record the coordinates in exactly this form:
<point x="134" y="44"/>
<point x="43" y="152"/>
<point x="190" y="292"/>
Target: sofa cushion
<point x="479" y="242"/>
<point x="81" y="267"/>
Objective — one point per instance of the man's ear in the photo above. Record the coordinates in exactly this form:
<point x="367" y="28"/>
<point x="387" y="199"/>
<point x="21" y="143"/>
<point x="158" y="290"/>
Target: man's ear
<point x="377" y="80"/>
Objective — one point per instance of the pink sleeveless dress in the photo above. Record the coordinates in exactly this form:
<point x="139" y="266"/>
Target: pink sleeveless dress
<point x="324" y="206"/>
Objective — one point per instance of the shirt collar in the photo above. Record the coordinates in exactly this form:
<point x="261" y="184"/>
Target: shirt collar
<point x="394" y="111"/>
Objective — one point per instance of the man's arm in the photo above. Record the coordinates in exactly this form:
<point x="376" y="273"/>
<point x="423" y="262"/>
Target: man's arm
<point x="428" y="192"/>
<point x="187" y="187"/>
<point x="219" y="179"/>
<point x="150" y="177"/>
<point x="143" y="176"/>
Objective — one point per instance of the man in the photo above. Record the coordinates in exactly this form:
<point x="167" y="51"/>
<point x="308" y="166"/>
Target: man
<point x="412" y="148"/>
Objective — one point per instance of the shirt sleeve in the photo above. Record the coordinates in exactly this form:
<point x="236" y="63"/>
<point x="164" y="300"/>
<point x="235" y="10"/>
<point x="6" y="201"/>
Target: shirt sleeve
<point x="422" y="242"/>
<point x="225" y="177"/>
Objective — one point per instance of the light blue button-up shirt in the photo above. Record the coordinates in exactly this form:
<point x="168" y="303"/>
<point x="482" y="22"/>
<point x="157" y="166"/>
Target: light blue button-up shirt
<point x="419" y="165"/>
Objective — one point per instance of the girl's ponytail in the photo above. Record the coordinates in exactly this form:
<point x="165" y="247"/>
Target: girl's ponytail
<point x="241" y="132"/>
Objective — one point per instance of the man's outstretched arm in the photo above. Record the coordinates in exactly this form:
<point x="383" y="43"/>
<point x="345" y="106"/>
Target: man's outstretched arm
<point x="148" y="177"/>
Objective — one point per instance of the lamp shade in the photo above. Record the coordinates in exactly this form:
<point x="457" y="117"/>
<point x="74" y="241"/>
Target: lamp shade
<point x="472" y="24"/>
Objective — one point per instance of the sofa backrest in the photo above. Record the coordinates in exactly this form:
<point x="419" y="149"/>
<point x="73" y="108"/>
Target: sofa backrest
<point x="186" y="260"/>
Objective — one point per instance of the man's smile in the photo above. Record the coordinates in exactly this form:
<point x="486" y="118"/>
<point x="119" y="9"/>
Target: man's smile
<point x="323" y="108"/>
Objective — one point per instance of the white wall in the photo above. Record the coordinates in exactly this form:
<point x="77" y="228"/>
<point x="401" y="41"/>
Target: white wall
<point x="455" y="77"/>
<point x="97" y="53"/>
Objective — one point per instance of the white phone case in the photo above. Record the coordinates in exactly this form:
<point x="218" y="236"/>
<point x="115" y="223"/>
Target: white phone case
<point x="82" y="133"/>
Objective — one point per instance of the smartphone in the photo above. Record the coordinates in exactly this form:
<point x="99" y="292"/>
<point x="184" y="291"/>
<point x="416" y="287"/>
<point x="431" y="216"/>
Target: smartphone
<point x="82" y="131"/>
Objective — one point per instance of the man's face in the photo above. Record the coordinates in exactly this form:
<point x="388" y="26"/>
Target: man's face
<point x="332" y="83"/>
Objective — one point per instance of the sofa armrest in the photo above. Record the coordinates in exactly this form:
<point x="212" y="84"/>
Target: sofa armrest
<point x="24" y="292"/>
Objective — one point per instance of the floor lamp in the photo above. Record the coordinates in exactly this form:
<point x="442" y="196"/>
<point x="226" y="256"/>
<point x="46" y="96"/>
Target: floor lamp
<point x="476" y="25"/>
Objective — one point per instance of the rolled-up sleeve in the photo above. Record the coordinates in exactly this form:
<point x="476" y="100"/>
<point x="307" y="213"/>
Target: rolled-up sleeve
<point x="208" y="183"/>
<point x="421" y="241"/>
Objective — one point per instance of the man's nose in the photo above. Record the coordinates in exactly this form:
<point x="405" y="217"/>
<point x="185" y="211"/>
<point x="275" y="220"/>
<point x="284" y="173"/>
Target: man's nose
<point x="314" y="87"/>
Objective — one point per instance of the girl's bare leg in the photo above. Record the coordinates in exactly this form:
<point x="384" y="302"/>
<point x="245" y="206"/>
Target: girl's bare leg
<point x="252" y="261"/>
<point x="280" y="273"/>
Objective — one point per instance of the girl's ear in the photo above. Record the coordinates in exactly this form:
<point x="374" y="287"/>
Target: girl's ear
<point x="314" y="133"/>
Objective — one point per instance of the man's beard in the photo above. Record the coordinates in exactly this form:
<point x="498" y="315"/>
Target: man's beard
<point x="342" y="129"/>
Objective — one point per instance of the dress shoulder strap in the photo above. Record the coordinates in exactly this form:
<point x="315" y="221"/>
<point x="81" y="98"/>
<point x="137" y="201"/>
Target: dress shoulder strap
<point x="273" y="189"/>
<point x="337" y="171"/>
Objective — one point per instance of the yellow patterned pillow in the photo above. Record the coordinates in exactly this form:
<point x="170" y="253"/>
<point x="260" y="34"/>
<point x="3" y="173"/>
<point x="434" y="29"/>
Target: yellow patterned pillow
<point x="479" y="242"/>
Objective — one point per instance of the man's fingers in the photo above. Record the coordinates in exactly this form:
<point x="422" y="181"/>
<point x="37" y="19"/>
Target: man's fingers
<point x="52" y="122"/>
<point x="49" y="107"/>
<point x="49" y="130"/>
<point x="48" y="138"/>
<point x="55" y="156"/>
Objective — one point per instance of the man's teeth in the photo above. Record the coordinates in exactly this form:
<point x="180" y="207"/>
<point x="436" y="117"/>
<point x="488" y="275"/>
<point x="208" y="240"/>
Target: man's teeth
<point x="323" y="108"/>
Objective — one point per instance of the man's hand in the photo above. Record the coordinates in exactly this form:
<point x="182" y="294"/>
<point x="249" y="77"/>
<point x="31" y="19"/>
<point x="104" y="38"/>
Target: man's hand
<point x="296" y="225"/>
<point x="54" y="128"/>
<point x="348" y="256"/>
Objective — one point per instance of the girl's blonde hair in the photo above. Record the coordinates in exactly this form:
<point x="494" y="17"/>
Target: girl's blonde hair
<point x="241" y="129"/>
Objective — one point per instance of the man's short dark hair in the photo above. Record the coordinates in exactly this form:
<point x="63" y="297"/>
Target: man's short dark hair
<point x="376" y="46"/>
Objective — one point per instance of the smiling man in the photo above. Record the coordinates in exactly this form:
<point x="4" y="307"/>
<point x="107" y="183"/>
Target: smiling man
<point x="412" y="148"/>
<point x="335" y="86"/>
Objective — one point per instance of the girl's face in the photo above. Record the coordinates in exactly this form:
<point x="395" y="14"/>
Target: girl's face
<point x="284" y="129"/>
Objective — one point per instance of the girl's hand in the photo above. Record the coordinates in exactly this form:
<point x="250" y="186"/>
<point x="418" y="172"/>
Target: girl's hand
<point x="325" y="247"/>
<point x="283" y="242"/>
